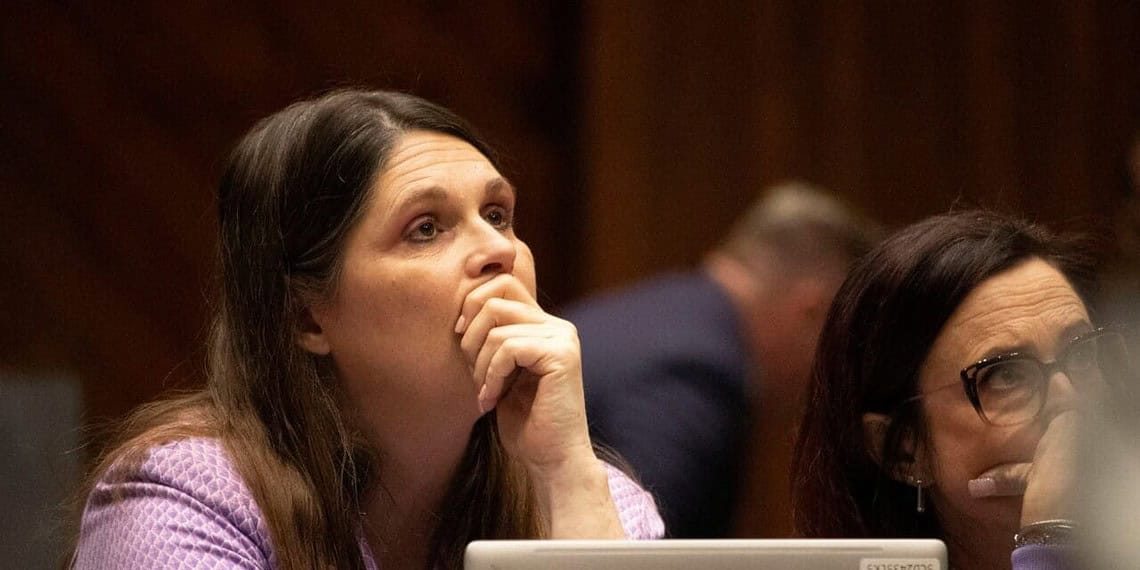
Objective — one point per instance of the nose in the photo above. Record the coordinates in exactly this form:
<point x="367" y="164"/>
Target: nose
<point x="493" y="253"/>
<point x="1063" y="396"/>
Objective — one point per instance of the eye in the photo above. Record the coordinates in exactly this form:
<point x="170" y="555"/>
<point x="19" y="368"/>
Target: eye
<point x="1082" y="356"/>
<point x="1009" y="375"/>
<point x="498" y="217"/>
<point x="423" y="229"/>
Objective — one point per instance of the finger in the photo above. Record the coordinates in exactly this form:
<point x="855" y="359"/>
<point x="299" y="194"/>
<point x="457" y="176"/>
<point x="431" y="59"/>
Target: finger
<point x="1005" y="480"/>
<point x="495" y="313"/>
<point x="503" y="369"/>
<point x="1063" y="430"/>
<point x="498" y="336"/>
<point x="503" y="286"/>
<point x="517" y="354"/>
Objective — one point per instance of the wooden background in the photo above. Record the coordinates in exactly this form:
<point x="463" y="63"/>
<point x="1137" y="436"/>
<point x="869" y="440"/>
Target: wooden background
<point x="637" y="131"/>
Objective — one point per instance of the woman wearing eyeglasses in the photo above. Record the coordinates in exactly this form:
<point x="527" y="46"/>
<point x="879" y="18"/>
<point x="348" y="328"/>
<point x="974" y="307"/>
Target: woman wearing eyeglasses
<point x="944" y="392"/>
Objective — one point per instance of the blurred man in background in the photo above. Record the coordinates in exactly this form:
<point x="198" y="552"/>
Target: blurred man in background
<point x="693" y="376"/>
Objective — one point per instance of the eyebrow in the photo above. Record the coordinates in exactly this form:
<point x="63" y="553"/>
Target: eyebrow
<point x="425" y="194"/>
<point x="500" y="185"/>
<point x="1075" y="330"/>
<point x="494" y="187"/>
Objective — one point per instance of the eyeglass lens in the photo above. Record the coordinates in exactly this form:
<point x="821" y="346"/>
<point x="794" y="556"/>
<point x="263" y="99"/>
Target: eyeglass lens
<point x="1014" y="391"/>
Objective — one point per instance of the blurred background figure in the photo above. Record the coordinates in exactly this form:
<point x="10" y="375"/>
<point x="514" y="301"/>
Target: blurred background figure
<point x="681" y="368"/>
<point x="1110" y="471"/>
<point x="1110" y="460"/>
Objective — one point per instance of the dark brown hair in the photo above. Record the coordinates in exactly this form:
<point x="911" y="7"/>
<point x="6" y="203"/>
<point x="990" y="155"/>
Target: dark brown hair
<point x="292" y="189"/>
<point x="879" y="330"/>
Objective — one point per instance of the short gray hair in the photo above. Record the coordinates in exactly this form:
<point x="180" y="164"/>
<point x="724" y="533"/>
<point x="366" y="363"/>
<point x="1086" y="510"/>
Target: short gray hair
<point x="806" y="228"/>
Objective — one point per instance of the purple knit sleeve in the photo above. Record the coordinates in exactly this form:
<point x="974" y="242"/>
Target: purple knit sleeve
<point x="184" y="507"/>
<point x="1044" y="557"/>
<point x="636" y="507"/>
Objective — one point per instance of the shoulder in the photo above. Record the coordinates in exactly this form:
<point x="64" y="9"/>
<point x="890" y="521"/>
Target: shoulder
<point x="183" y="502"/>
<point x="670" y="315"/>
<point x="201" y="467"/>
<point x="644" y="299"/>
<point x="636" y="507"/>
<point x="678" y="331"/>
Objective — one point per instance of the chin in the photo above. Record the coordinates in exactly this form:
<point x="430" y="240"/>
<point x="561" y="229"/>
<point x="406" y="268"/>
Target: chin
<point x="1001" y="513"/>
<point x="995" y="514"/>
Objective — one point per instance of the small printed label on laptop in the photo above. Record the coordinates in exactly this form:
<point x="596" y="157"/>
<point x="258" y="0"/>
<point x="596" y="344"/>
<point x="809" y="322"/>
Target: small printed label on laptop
<point x="899" y="564"/>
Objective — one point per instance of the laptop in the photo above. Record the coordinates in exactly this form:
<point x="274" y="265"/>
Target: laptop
<point x="728" y="554"/>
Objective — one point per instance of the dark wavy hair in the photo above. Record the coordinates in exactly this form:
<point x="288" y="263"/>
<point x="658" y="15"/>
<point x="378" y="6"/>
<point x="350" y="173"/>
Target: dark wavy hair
<point x="878" y="332"/>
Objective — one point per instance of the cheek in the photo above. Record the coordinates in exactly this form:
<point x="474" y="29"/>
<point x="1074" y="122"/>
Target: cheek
<point x="524" y="267"/>
<point x="963" y="454"/>
<point x="960" y="452"/>
<point x="965" y="447"/>
<point x="394" y="301"/>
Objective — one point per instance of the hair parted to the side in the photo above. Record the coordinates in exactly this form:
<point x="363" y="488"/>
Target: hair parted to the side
<point x="879" y="331"/>
<point x="293" y="188"/>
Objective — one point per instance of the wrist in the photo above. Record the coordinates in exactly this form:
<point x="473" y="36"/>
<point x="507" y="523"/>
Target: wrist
<point x="569" y="476"/>
<point x="560" y="463"/>
<point x="575" y="500"/>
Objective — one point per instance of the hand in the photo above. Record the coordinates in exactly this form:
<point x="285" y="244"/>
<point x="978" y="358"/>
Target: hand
<point x="1051" y="481"/>
<point x="1047" y="483"/>
<point x="527" y="363"/>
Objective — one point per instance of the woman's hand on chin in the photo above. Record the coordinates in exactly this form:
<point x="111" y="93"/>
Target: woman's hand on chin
<point x="1052" y="479"/>
<point x="1047" y="484"/>
<point x="527" y="365"/>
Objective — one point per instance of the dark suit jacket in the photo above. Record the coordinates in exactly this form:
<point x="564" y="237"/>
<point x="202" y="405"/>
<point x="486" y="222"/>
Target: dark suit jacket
<point x="666" y="374"/>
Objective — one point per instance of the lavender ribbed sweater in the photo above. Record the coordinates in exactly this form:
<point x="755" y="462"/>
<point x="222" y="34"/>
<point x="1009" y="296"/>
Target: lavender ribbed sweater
<point x="187" y="507"/>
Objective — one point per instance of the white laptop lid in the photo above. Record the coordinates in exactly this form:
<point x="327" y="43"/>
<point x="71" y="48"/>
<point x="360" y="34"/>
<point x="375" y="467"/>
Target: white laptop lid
<point x="782" y="554"/>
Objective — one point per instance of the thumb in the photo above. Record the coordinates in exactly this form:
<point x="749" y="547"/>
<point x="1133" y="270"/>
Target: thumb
<point x="1008" y="479"/>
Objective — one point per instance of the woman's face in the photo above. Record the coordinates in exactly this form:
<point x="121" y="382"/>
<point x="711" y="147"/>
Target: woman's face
<point x="438" y="223"/>
<point x="1029" y="308"/>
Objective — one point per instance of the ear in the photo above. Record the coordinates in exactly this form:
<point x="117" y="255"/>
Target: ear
<point x="875" y="428"/>
<point x="310" y="335"/>
<point x="875" y="434"/>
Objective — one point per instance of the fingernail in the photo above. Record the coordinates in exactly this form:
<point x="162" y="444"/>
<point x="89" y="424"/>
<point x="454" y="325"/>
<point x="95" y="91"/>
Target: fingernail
<point x="982" y="487"/>
<point x="462" y="322"/>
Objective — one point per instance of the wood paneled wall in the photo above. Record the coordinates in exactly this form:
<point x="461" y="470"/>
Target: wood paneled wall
<point x="116" y="118"/>
<point x="905" y="109"/>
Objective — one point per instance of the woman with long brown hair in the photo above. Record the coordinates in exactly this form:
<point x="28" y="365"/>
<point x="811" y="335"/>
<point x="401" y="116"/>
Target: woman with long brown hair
<point x="382" y="385"/>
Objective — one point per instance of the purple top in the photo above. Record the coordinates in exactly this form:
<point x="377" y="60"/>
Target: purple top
<point x="187" y="507"/>
<point x="1044" y="557"/>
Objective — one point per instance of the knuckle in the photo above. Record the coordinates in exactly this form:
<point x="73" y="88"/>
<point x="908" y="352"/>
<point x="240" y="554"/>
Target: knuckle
<point x="513" y="343"/>
<point x="497" y="336"/>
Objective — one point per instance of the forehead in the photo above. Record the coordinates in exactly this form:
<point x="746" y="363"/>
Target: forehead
<point x="432" y="158"/>
<point x="1029" y="305"/>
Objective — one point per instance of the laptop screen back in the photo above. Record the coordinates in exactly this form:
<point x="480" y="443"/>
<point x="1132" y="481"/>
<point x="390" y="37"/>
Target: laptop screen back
<point x="784" y="554"/>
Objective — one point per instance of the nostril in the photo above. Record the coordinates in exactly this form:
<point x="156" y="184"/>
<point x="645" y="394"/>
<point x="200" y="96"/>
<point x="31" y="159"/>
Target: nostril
<point x="493" y="268"/>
